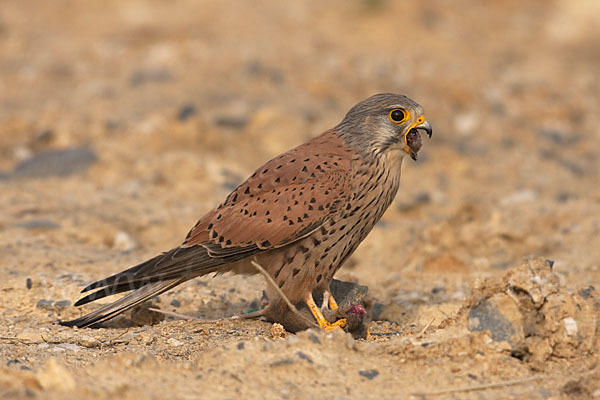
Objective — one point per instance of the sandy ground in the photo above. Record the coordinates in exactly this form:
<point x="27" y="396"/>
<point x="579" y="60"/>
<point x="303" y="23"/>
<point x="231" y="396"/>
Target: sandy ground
<point x="122" y="122"/>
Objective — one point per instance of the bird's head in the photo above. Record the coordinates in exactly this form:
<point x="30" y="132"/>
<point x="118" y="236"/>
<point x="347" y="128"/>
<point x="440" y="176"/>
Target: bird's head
<point x="385" y="122"/>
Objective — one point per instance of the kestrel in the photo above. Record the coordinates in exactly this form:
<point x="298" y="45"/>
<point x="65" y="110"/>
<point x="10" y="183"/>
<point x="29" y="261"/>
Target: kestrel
<point x="300" y="215"/>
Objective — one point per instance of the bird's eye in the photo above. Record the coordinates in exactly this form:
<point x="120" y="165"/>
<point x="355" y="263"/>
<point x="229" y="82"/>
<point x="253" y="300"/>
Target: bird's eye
<point x="398" y="115"/>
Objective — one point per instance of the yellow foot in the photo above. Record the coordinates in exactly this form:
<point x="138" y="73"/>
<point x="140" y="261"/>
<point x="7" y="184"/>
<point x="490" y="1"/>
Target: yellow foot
<point x="332" y="303"/>
<point x="339" y="324"/>
<point x="321" y="320"/>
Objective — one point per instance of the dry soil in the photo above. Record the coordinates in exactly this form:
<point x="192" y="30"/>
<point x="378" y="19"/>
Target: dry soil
<point x="122" y="122"/>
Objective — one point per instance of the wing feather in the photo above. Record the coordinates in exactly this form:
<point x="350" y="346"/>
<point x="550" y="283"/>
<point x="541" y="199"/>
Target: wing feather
<point x="284" y="200"/>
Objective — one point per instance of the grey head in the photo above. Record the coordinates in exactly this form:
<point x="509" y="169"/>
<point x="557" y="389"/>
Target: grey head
<point x="385" y="122"/>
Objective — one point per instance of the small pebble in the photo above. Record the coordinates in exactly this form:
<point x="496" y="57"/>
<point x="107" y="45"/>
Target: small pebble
<point x="438" y="289"/>
<point x="585" y="293"/>
<point x="146" y="339"/>
<point x="175" y="303"/>
<point x="123" y="241"/>
<point x="44" y="304"/>
<point x="277" y="331"/>
<point x="232" y="122"/>
<point x="174" y="342"/>
<point x="369" y="373"/>
<point x="186" y="112"/>
<point x="28" y="283"/>
<point x="563" y="197"/>
<point x="88" y="341"/>
<point x="466" y="123"/>
<point x="570" y="326"/>
<point x="63" y="304"/>
<point x="56" y="163"/>
<point x="70" y="346"/>
<point x="45" y="136"/>
<point x="285" y="361"/>
<point x="519" y="197"/>
<point x="150" y="75"/>
<point x="304" y="357"/>
<point x="38" y="224"/>
<point x="422" y="198"/>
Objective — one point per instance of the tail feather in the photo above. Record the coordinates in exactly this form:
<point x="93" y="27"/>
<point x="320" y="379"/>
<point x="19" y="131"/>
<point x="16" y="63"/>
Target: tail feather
<point x="169" y="265"/>
<point x="128" y="274"/>
<point x="131" y="300"/>
<point x="154" y="277"/>
<point x="110" y="290"/>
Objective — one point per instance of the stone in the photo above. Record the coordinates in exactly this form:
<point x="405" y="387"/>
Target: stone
<point x="143" y="76"/>
<point x="369" y="373"/>
<point x="518" y="197"/>
<point x="277" y="331"/>
<point x="63" y="304"/>
<point x="186" y="112"/>
<point x="45" y="304"/>
<point x="500" y="316"/>
<point x="39" y="224"/>
<point x="124" y="242"/>
<point x="55" y="163"/>
<point x="88" y="341"/>
<point x="70" y="346"/>
<point x="174" y="342"/>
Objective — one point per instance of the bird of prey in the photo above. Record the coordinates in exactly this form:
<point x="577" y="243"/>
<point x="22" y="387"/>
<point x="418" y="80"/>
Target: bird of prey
<point x="300" y="215"/>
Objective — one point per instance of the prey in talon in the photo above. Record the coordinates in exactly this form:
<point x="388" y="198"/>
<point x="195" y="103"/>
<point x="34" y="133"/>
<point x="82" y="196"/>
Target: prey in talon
<point x="300" y="216"/>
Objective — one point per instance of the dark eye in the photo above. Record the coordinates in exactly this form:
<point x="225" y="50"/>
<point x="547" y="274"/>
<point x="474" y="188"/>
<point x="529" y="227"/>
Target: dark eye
<point x="397" y="115"/>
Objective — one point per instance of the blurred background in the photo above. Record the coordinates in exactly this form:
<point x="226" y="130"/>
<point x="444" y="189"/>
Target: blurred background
<point x="122" y="122"/>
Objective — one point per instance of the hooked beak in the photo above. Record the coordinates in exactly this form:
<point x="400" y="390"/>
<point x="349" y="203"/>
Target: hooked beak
<point x="426" y="126"/>
<point x="412" y="137"/>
